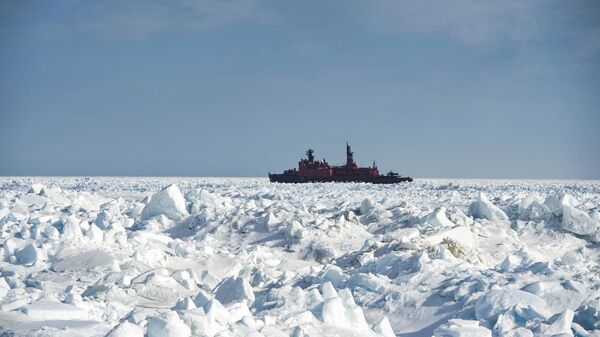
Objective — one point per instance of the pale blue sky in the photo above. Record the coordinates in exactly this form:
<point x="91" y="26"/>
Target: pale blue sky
<point x="433" y="88"/>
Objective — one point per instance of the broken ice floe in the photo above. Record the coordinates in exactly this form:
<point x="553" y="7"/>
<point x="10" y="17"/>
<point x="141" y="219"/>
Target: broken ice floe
<point x="126" y="257"/>
<point x="168" y="202"/>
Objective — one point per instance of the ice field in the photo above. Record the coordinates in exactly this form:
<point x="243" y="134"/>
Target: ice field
<point x="245" y="257"/>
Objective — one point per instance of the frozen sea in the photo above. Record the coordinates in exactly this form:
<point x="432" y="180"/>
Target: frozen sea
<point x="138" y="256"/>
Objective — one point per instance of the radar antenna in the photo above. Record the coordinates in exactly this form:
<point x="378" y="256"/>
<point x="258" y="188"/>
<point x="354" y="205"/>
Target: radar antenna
<point x="310" y="154"/>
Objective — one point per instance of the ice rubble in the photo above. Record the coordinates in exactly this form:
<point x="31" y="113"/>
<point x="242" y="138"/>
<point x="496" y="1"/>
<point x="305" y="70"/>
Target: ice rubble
<point x="27" y="255"/>
<point x="588" y="314"/>
<point x="126" y="329"/>
<point x="242" y="257"/>
<point x="484" y="209"/>
<point x="168" y="324"/>
<point x="168" y="202"/>
<point x="234" y="289"/>
<point x="489" y="306"/>
<point x="577" y="221"/>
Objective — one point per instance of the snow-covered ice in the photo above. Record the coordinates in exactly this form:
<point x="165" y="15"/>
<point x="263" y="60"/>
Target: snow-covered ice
<point x="245" y="257"/>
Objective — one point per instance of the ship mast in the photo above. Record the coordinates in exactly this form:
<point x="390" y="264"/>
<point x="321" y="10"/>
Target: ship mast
<point x="349" y="160"/>
<point x="309" y="154"/>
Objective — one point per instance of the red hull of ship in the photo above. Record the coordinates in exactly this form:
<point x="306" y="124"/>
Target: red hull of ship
<point x="310" y="170"/>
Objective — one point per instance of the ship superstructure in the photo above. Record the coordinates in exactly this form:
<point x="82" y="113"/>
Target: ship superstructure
<point x="311" y="170"/>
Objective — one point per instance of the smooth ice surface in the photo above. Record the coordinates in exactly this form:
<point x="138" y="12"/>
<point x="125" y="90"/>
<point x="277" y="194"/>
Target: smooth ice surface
<point x="462" y="328"/>
<point x="53" y="311"/>
<point x="245" y="257"/>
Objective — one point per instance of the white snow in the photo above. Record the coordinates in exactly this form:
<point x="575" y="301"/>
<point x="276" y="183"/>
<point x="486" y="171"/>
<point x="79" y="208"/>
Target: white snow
<point x="462" y="328"/>
<point x="126" y="329"/>
<point x="168" y="201"/>
<point x="72" y="228"/>
<point x="384" y="328"/>
<point x="561" y="325"/>
<point x="438" y="218"/>
<point x="485" y="209"/>
<point x="168" y="325"/>
<point x="577" y="221"/>
<point x="54" y="311"/>
<point x="495" y="302"/>
<point x="83" y="260"/>
<point x="234" y="289"/>
<point x="460" y="234"/>
<point x="223" y="257"/>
